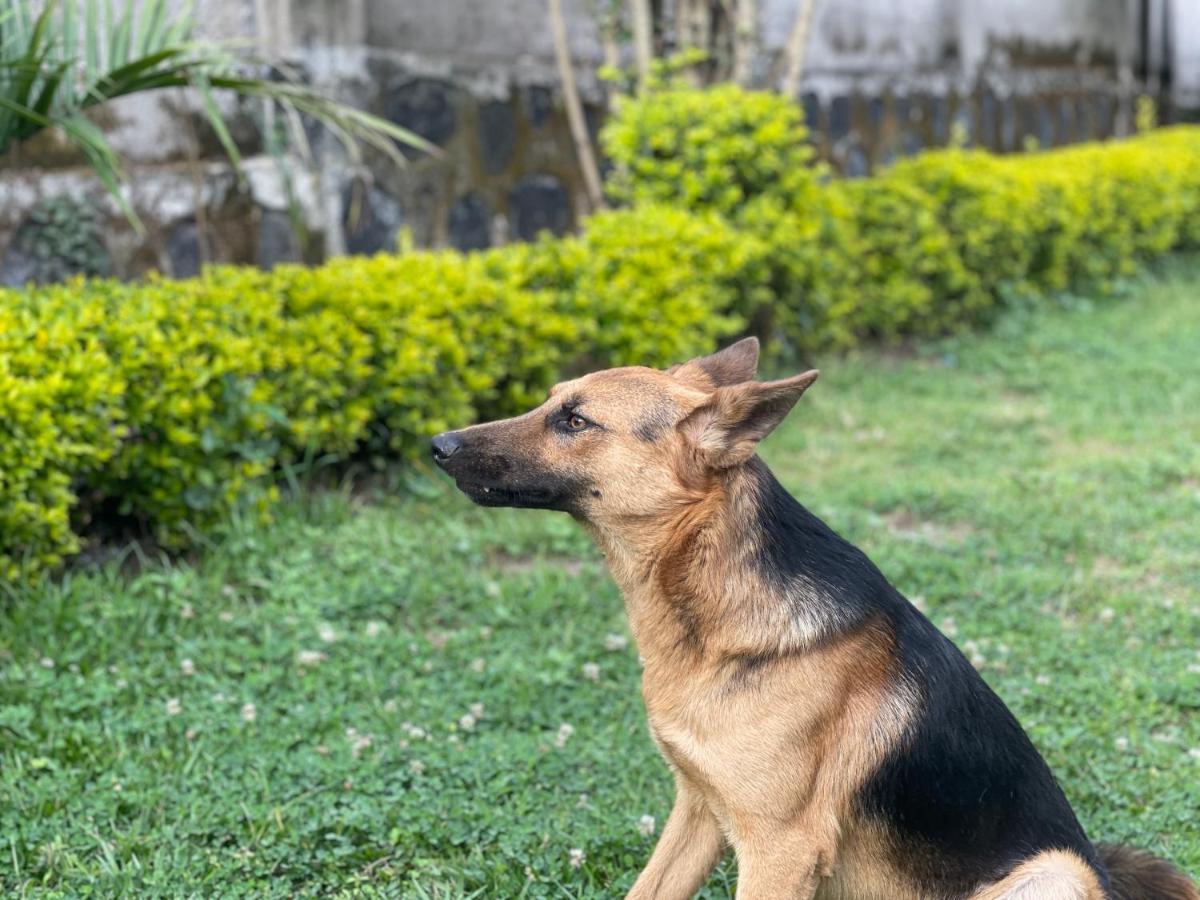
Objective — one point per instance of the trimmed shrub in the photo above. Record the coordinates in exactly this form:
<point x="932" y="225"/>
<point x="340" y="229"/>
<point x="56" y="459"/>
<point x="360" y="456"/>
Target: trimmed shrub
<point x="712" y="149"/>
<point x="909" y="271"/>
<point x="60" y="417"/>
<point x="163" y="404"/>
<point x="938" y="242"/>
<point x="646" y="286"/>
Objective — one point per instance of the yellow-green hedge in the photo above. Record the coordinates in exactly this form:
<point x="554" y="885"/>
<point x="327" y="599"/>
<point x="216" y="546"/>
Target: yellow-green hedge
<point x="164" y="404"/>
<point x="161" y="404"/>
<point x="936" y="242"/>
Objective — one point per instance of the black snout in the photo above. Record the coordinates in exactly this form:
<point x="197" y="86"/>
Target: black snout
<point x="444" y="446"/>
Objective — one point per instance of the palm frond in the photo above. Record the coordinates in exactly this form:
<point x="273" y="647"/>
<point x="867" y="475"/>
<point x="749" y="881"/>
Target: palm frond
<point x="52" y="71"/>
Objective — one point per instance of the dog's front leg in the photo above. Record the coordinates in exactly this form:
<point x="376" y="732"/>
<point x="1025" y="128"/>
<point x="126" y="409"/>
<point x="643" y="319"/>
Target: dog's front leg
<point x="781" y="867"/>
<point x="690" y="846"/>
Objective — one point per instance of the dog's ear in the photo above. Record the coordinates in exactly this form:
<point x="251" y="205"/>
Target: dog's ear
<point x="727" y="428"/>
<point x="733" y="365"/>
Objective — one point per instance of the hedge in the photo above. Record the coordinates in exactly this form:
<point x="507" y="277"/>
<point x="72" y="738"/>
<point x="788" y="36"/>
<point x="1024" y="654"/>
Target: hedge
<point x="163" y="405"/>
<point x="160" y="405"/>
<point x="937" y="241"/>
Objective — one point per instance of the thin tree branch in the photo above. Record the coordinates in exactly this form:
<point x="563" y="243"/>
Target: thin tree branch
<point x="643" y="41"/>
<point x="575" y="118"/>
<point x="745" y="40"/>
<point x="796" y="46"/>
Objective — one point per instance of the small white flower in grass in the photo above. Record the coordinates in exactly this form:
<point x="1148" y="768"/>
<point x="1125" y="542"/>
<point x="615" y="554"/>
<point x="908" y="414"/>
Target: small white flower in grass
<point x="1043" y="680"/>
<point x="477" y="664"/>
<point x="564" y="734"/>
<point x="918" y="601"/>
<point x="576" y="857"/>
<point x="219" y="697"/>
<point x="187" y="667"/>
<point x="583" y="800"/>
<point x="121" y="684"/>
<point x="249" y="712"/>
<point x="326" y="633"/>
<point x="492" y="589"/>
<point x="228" y="591"/>
<point x="1121" y="744"/>
<point x="187" y="612"/>
<point x="73" y="668"/>
<point x="646" y="826"/>
<point x="417" y="767"/>
<point x="1194" y="753"/>
<point x="1107" y="614"/>
<point x="477" y="710"/>
<point x="591" y="671"/>
<point x="116" y="787"/>
<point x="310" y="657"/>
<point x="46" y="662"/>
<point x="948" y="626"/>
<point x="467" y="722"/>
<point x="427" y="666"/>
<point x="374" y="628"/>
<point x="113" y="670"/>
<point x="321" y="750"/>
<point x="978" y="660"/>
<point x="174" y="707"/>
<point x="485" y="631"/>
<point x="614" y="642"/>
<point x="191" y="734"/>
<point x="358" y="744"/>
<point x="1194" y="668"/>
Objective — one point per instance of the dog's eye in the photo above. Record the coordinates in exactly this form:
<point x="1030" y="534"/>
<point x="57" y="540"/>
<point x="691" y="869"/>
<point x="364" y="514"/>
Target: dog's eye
<point x="576" y="422"/>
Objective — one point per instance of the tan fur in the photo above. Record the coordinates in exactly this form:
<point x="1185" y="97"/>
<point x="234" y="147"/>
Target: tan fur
<point x="1050" y="875"/>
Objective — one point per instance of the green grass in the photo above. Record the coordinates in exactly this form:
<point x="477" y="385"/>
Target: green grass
<point x="1036" y="489"/>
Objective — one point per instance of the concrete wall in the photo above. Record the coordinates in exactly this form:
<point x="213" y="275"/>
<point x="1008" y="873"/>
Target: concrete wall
<point x="883" y="78"/>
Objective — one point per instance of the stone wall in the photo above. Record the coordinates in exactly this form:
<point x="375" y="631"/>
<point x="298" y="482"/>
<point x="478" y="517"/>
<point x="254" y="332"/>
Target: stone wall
<point x="882" y="79"/>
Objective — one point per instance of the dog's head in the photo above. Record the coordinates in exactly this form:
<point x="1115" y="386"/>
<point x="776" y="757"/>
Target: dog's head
<point x="630" y="442"/>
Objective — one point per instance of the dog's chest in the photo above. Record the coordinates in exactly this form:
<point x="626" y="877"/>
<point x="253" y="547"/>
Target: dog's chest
<point x="747" y="754"/>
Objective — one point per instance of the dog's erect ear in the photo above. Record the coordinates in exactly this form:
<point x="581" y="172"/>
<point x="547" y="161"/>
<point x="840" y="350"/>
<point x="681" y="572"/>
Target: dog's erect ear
<point x="733" y="365"/>
<point x="727" y="428"/>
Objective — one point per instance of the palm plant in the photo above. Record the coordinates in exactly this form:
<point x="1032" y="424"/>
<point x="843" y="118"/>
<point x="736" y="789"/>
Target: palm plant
<point x="72" y="55"/>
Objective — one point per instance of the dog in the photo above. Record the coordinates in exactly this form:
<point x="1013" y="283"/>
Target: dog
<point x="812" y="717"/>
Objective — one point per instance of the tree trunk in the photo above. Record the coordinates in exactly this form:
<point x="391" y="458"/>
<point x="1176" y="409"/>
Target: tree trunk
<point x="643" y="37"/>
<point x="745" y="40"/>
<point x="796" y="45"/>
<point x="575" y="117"/>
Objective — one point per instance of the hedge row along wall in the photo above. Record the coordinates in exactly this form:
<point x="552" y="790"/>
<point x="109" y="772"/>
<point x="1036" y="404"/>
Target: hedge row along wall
<point x="168" y="403"/>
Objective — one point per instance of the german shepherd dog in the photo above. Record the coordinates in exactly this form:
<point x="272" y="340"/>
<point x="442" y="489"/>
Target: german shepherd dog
<point x="812" y="717"/>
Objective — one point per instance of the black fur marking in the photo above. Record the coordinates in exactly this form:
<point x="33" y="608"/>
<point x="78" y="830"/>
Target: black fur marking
<point x="965" y="796"/>
<point x="655" y="424"/>
<point x="649" y="432"/>
<point x="796" y="552"/>
<point x="494" y="475"/>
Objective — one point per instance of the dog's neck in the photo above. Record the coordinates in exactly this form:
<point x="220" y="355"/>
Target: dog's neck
<point x="707" y="578"/>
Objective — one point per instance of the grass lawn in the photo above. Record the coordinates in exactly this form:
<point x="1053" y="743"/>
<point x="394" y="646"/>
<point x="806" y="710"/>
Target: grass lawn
<point x="414" y="697"/>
